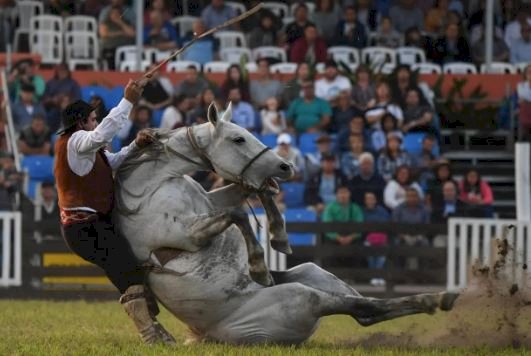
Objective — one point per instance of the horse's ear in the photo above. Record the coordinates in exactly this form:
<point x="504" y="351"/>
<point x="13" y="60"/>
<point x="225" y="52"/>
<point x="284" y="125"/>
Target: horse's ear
<point x="227" y="115"/>
<point x="212" y="114"/>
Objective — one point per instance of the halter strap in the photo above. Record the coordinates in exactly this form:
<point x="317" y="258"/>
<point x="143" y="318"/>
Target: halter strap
<point x="249" y="164"/>
<point x="197" y="149"/>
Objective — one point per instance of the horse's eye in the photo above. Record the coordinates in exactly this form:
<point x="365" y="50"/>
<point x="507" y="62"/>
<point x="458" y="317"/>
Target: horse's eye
<point x="238" y="140"/>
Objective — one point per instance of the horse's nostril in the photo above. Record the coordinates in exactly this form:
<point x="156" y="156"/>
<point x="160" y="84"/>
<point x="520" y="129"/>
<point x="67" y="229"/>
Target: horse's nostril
<point x="284" y="167"/>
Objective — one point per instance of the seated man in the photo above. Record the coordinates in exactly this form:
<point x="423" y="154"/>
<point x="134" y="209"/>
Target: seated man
<point x="46" y="212"/>
<point x="242" y="112"/>
<point x="332" y="84"/>
<point x="26" y="107"/>
<point x="160" y="34"/>
<point x="35" y="139"/>
<point x="83" y="172"/>
<point x="368" y="180"/>
<point x="342" y="210"/>
<point x="192" y="86"/>
<point x="309" y="113"/>
<point x="450" y="205"/>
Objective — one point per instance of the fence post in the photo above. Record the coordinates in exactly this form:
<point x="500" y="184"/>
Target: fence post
<point x="522" y="181"/>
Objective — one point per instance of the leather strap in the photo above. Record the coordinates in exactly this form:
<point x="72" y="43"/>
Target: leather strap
<point x="248" y="165"/>
<point x="198" y="150"/>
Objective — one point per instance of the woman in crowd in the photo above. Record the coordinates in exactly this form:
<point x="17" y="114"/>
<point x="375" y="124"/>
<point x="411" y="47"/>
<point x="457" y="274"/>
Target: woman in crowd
<point x="381" y="105"/>
<point x="418" y="115"/>
<point x="292" y="89"/>
<point x="199" y="115"/>
<point x="387" y="36"/>
<point x="273" y="120"/>
<point x="266" y="34"/>
<point x="443" y="174"/>
<point x="364" y="91"/>
<point x="375" y="213"/>
<point x="379" y="137"/>
<point x="477" y="194"/>
<point x="350" y="164"/>
<point x="392" y="157"/>
<point x="395" y="190"/>
<point x="234" y="79"/>
<point x="115" y="32"/>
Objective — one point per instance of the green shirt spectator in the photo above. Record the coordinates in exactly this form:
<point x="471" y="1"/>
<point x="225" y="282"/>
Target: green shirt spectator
<point x="24" y="72"/>
<point x="342" y="210"/>
<point x="309" y="113"/>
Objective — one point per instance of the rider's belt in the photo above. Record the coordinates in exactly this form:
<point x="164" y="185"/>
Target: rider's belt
<point x="69" y="217"/>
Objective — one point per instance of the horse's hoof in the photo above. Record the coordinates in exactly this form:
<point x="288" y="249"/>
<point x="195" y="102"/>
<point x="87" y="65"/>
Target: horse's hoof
<point x="281" y="246"/>
<point x="448" y="300"/>
<point x="263" y="278"/>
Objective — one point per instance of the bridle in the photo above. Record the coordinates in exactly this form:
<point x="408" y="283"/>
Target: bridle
<point x="206" y="161"/>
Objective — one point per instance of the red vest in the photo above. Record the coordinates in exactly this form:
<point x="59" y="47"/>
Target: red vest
<point x="94" y="190"/>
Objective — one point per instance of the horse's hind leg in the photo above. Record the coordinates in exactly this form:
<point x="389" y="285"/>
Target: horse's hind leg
<point x="277" y="226"/>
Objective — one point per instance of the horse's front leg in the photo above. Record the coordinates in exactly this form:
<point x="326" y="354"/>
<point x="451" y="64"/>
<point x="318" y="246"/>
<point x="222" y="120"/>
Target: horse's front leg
<point x="277" y="226"/>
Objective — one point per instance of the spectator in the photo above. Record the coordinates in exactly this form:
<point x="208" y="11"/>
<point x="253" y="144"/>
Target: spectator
<point x="326" y="16"/>
<point x="264" y="86"/>
<point x="309" y="113"/>
<point x="500" y="51"/>
<point x="425" y="161"/>
<point x="158" y="91"/>
<point x="412" y="211"/>
<point x="291" y="154"/>
<point x="523" y="91"/>
<point x="296" y="29"/>
<point x="450" y="205"/>
<point x="266" y="34"/>
<point x="395" y="190"/>
<point x="24" y="72"/>
<point x="342" y="209"/>
<point x="476" y="32"/>
<point x="344" y="112"/>
<point x="453" y="47"/>
<point x="521" y="48"/>
<point x="320" y="188"/>
<point x="203" y="49"/>
<point x="192" y="85"/>
<point x="216" y="13"/>
<point x="387" y="36"/>
<point x="442" y="174"/>
<point x="92" y="8"/>
<point x="401" y="82"/>
<point x="160" y="33"/>
<point x="293" y="89"/>
<point x="415" y="38"/>
<point x="379" y="137"/>
<point x="26" y="107"/>
<point x="313" y="160"/>
<point x="273" y="120"/>
<point x="116" y="30"/>
<point x="375" y="213"/>
<point x="174" y="116"/>
<point x="97" y="103"/>
<point x="406" y="15"/>
<point x="242" y="112"/>
<point x="477" y="11"/>
<point x="513" y="30"/>
<point x="367" y="14"/>
<point x="392" y="157"/>
<point x="364" y="91"/>
<point x="332" y="83"/>
<point x="418" y="115"/>
<point x="355" y="127"/>
<point x="437" y="17"/>
<point x="128" y="13"/>
<point x="477" y="194"/>
<point x="350" y="164"/>
<point x="10" y="181"/>
<point x="311" y="48"/>
<point x="350" y="31"/>
<point x="62" y="84"/>
<point x="368" y="180"/>
<point x="160" y="6"/>
<point x="142" y="118"/>
<point x="381" y="105"/>
<point x="46" y="212"/>
<point x="199" y="114"/>
<point x="35" y="139"/>
<point x="235" y="79"/>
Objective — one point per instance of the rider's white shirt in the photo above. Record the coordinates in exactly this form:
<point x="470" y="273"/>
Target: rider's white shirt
<point x="83" y="145"/>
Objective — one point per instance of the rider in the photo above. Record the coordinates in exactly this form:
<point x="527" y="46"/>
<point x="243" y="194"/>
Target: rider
<point x="83" y="171"/>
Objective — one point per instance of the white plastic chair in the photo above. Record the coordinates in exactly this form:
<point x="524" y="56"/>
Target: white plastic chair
<point x="251" y="67"/>
<point x="459" y="68"/>
<point x="309" y="5"/>
<point x="427" y="68"/>
<point x="81" y="48"/>
<point x="498" y="68"/>
<point x="229" y="39"/>
<point x="239" y="8"/>
<point x="81" y="24"/>
<point x="278" y="8"/>
<point x="128" y="54"/>
<point x="348" y="55"/>
<point x="410" y="55"/>
<point x="269" y="52"/>
<point x="130" y="66"/>
<point x="378" y="56"/>
<point x="182" y="66"/>
<point x="284" y="68"/>
<point x="216" y="67"/>
<point x="47" y="23"/>
<point x="25" y="10"/>
<point x="184" y="24"/>
<point x="234" y="54"/>
<point x="49" y="44"/>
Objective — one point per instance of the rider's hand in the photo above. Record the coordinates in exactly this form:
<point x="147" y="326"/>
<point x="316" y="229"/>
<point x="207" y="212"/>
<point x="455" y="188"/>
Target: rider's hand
<point x="133" y="90"/>
<point x="144" y="138"/>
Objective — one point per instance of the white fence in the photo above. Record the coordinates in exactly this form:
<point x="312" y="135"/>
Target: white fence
<point x="471" y="239"/>
<point x="275" y="260"/>
<point x="11" y="249"/>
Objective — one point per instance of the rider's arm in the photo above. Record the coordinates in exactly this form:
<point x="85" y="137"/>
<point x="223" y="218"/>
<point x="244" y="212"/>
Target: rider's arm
<point x="116" y="159"/>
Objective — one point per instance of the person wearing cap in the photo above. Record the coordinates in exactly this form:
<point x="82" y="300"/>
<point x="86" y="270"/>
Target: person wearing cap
<point x="291" y="154"/>
<point x="84" y="176"/>
<point x="321" y="187"/>
<point x="35" y="139"/>
<point x="24" y="109"/>
<point x="313" y="159"/>
<point x="332" y="83"/>
<point x="309" y="113"/>
<point x="24" y="72"/>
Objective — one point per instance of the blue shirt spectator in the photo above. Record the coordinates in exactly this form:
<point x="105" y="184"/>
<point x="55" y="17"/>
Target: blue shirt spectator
<point x="203" y="50"/>
<point x="350" y="164"/>
<point x="392" y="157"/>
<point x="26" y="107"/>
<point x="60" y="85"/>
<point x="217" y="13"/>
<point x="350" y="32"/>
<point x="160" y="34"/>
<point x="521" y="48"/>
<point x="242" y="112"/>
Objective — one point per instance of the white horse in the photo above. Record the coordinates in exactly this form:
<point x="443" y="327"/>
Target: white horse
<point x="209" y="282"/>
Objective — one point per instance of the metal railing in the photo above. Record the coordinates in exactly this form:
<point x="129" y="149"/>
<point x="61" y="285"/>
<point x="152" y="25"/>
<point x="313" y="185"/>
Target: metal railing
<point x="11" y="249"/>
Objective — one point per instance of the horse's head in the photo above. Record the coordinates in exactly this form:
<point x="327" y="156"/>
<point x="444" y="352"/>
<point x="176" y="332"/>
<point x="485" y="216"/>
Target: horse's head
<point x="239" y="157"/>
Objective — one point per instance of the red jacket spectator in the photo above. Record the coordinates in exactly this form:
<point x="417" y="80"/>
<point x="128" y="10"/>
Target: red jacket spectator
<point x="300" y="50"/>
<point x="474" y="190"/>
